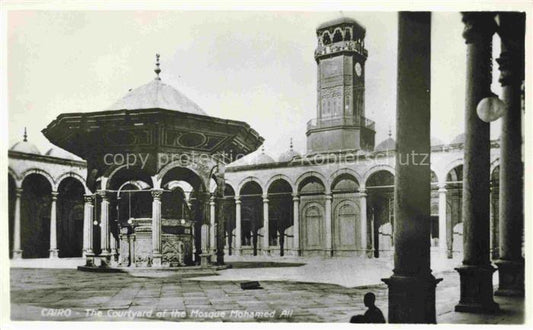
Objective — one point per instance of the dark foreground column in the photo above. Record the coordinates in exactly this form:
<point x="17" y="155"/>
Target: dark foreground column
<point x="476" y="270"/>
<point x="511" y="263"/>
<point x="412" y="286"/>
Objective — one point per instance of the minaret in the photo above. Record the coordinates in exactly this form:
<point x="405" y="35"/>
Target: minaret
<point x="340" y="122"/>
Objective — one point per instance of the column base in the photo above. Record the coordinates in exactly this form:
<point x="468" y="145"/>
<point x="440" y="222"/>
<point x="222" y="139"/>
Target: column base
<point x="105" y="259"/>
<point x="511" y="275"/>
<point x="205" y="259"/>
<point x="412" y="298"/>
<point x="89" y="259"/>
<point x="54" y="253"/>
<point x="237" y="251"/>
<point x="157" y="259"/>
<point x="17" y="254"/>
<point x="476" y="290"/>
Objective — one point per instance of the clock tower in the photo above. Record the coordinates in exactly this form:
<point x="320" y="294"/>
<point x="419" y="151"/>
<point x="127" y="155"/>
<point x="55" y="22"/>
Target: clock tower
<point x="340" y="122"/>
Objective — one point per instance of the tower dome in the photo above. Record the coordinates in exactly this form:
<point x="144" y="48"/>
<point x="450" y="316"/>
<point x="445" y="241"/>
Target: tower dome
<point x="25" y="146"/>
<point x="288" y="155"/>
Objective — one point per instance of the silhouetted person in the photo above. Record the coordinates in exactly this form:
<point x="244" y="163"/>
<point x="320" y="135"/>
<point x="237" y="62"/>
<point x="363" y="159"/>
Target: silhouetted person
<point x="373" y="314"/>
<point x="357" y="319"/>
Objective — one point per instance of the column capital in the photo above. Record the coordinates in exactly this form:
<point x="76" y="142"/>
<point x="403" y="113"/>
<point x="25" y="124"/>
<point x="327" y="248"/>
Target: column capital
<point x="18" y="192"/>
<point x="237" y="198"/>
<point x="512" y="30"/>
<point x="104" y="194"/>
<point x="88" y="199"/>
<point x="328" y="196"/>
<point x="295" y="197"/>
<point x="54" y="195"/>
<point x="363" y="191"/>
<point x="265" y="198"/>
<point x="479" y="26"/>
<point x="442" y="187"/>
<point x="156" y="193"/>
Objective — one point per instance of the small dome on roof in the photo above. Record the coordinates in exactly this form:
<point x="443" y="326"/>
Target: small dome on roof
<point x="288" y="155"/>
<point x="386" y="145"/>
<point x="263" y="158"/>
<point x="459" y="139"/>
<point x="25" y="146"/>
<point x="339" y="21"/>
<point x="61" y="153"/>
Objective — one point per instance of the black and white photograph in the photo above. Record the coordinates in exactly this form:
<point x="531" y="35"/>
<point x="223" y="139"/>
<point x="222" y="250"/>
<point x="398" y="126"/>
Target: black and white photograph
<point x="321" y="164"/>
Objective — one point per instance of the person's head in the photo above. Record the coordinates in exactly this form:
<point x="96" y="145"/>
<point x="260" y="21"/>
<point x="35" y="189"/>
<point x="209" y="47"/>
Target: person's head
<point x="369" y="299"/>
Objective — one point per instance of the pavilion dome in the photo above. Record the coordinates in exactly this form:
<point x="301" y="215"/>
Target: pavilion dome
<point x="157" y="95"/>
<point x="288" y="155"/>
<point x="25" y="147"/>
<point x="386" y="145"/>
<point x="61" y="153"/>
<point x="459" y="139"/>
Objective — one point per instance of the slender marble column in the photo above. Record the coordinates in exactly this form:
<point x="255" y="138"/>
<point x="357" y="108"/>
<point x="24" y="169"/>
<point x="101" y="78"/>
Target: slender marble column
<point x="296" y="223"/>
<point x="266" y="234"/>
<point x="328" y="224"/>
<point x="443" y="246"/>
<point x="212" y="227"/>
<point x="364" y="225"/>
<point x="476" y="271"/>
<point x="412" y="286"/>
<point x="17" y="252"/>
<point x="156" y="227"/>
<point x="54" y="252"/>
<point x="105" y="255"/>
<point x="88" y="216"/>
<point x="238" y="229"/>
<point x="511" y="263"/>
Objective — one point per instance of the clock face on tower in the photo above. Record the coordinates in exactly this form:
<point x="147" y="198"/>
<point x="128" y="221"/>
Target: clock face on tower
<point x="358" y="69"/>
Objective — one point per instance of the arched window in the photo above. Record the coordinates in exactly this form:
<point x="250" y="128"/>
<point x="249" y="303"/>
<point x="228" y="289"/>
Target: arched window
<point x="347" y="35"/>
<point x="313" y="227"/>
<point x="337" y="36"/>
<point x="326" y="39"/>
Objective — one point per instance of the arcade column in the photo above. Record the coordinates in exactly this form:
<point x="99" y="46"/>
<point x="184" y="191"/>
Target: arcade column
<point x="364" y="231"/>
<point x="476" y="271"/>
<point x="266" y="234"/>
<point x="17" y="252"/>
<point x="443" y="245"/>
<point x="105" y="255"/>
<point x="156" y="227"/>
<point x="238" y="229"/>
<point x="212" y="227"/>
<point x="296" y="223"/>
<point x="412" y="286"/>
<point x="328" y="223"/>
<point x="88" y="216"/>
<point x="54" y="252"/>
<point x="511" y="263"/>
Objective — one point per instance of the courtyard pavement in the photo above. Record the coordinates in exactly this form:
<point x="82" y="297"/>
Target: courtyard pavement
<point x="294" y="290"/>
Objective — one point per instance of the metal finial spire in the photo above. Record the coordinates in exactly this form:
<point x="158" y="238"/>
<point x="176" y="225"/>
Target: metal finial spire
<point x="390" y="132"/>
<point x="157" y="70"/>
<point x="263" y="149"/>
<point x="291" y="145"/>
<point x="25" y="136"/>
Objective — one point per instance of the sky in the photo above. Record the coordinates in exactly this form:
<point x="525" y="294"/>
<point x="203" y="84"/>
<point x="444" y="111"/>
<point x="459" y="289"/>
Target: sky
<point x="255" y="66"/>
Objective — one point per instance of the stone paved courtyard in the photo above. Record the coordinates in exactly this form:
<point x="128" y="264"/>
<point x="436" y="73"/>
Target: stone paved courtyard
<point x="42" y="294"/>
